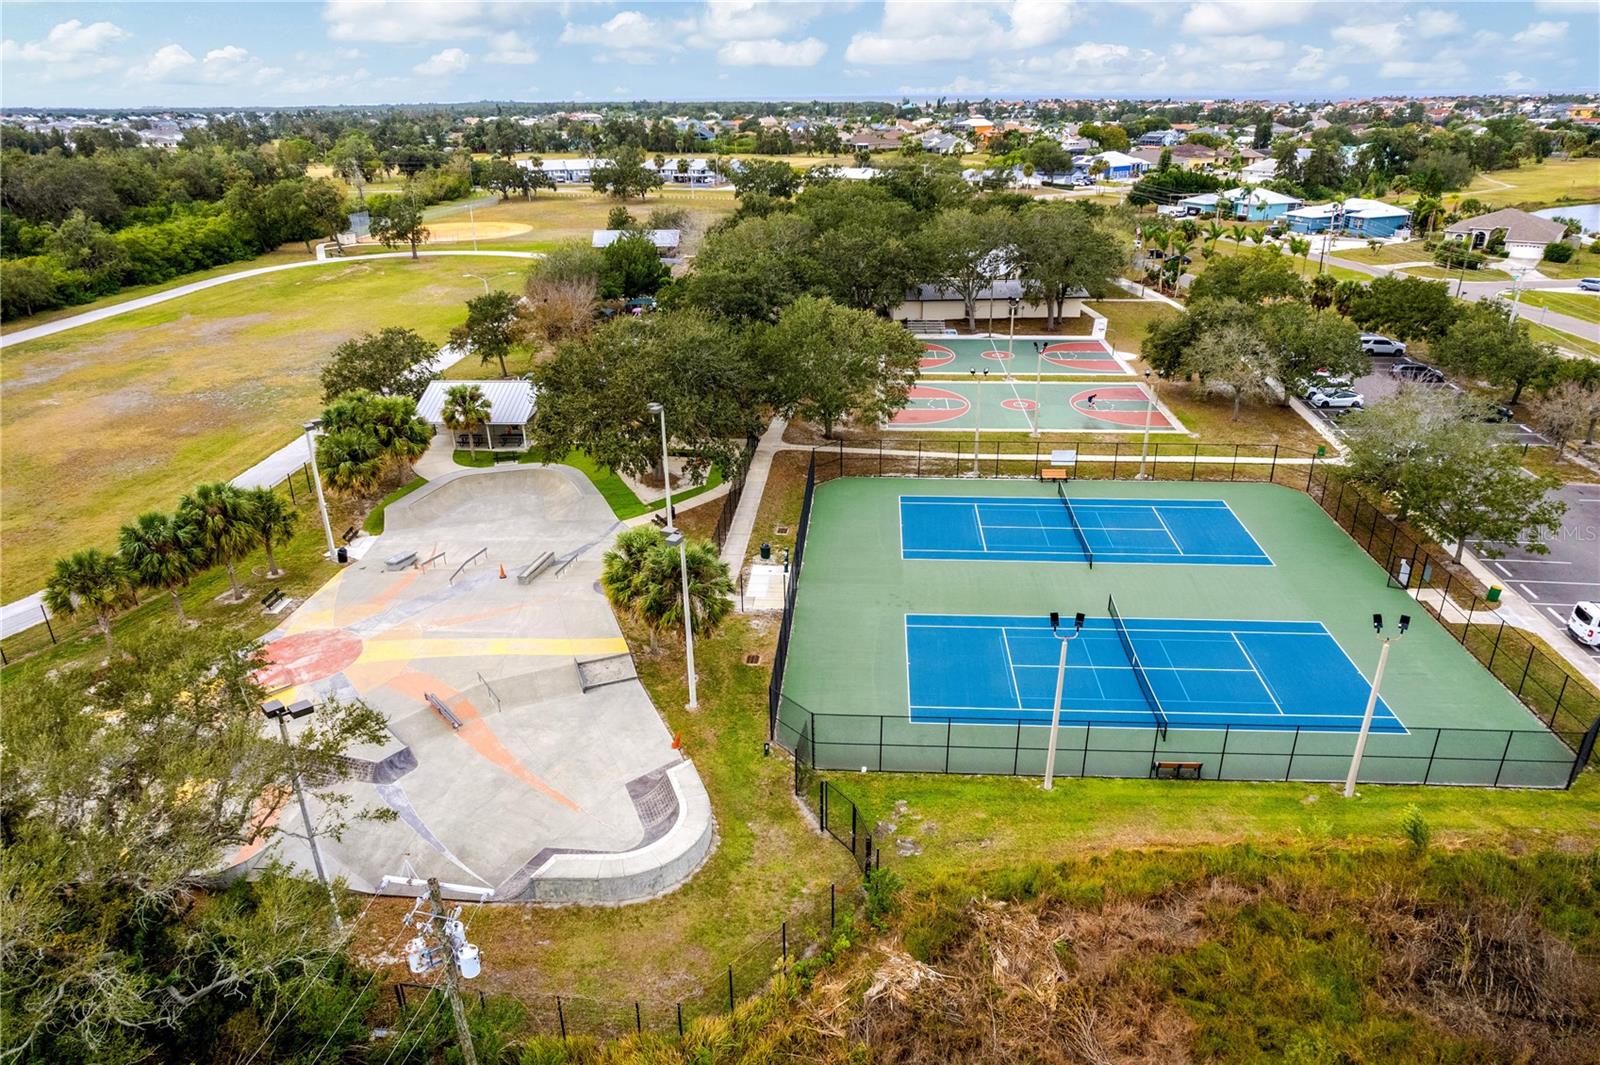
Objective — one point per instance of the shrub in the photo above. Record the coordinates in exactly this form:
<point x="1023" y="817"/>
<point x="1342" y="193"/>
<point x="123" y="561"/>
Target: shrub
<point x="1415" y="828"/>
<point x="1558" y="252"/>
<point x="882" y="886"/>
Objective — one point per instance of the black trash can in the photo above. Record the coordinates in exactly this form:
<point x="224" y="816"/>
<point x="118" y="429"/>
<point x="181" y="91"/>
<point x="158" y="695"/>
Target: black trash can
<point x="766" y="552"/>
<point x="343" y="555"/>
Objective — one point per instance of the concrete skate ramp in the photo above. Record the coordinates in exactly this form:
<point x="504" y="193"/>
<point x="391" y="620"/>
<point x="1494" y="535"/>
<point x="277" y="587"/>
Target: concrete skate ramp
<point x="544" y="791"/>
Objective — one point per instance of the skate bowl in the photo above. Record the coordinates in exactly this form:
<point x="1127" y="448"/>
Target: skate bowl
<point x="508" y="776"/>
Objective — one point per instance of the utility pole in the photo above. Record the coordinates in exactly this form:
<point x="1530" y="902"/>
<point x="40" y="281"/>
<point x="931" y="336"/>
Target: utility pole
<point x="452" y="972"/>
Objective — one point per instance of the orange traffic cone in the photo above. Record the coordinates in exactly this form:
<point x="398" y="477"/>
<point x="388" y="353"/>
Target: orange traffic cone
<point x="502" y="571"/>
<point x="677" y="741"/>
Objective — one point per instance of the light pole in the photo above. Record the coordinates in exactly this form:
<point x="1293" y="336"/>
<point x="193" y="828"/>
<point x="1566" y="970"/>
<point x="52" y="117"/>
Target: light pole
<point x="485" y="280"/>
<point x="977" y="426"/>
<point x="1149" y="405"/>
<point x="311" y="428"/>
<point x="1516" y="293"/>
<point x="1372" y="697"/>
<point x="1061" y="680"/>
<point x="276" y="711"/>
<point x="1038" y="375"/>
<point x="675" y="538"/>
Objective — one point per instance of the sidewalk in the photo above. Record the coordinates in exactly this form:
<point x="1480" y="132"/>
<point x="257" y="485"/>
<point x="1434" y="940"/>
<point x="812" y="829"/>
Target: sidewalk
<point x="737" y="544"/>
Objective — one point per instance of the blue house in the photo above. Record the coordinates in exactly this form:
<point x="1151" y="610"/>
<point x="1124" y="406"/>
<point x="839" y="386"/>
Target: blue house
<point x="1242" y="204"/>
<point x="1119" y="166"/>
<point x="1160" y="138"/>
<point x="1356" y="216"/>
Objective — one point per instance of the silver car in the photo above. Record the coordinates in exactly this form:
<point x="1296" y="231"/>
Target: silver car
<point x="1335" y="398"/>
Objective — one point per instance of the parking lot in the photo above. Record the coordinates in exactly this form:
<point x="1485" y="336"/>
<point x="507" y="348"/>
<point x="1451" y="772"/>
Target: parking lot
<point x="1553" y="582"/>
<point x="1380" y="383"/>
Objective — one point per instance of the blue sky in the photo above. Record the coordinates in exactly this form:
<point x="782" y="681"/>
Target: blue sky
<point x="376" y="51"/>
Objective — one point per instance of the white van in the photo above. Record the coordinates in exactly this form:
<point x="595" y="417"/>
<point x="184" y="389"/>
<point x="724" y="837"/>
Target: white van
<point x="1584" y="624"/>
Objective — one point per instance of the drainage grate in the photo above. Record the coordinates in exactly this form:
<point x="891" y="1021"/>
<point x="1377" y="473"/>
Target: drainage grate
<point x="780" y="530"/>
<point x="752" y="660"/>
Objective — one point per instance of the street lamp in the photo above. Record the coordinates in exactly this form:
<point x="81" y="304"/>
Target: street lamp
<point x="311" y="428"/>
<point x="276" y="711"/>
<point x="1372" y="696"/>
<point x="675" y="539"/>
<point x="1061" y="680"/>
<point x="485" y="280"/>
<point x="977" y="426"/>
<point x="1149" y="405"/>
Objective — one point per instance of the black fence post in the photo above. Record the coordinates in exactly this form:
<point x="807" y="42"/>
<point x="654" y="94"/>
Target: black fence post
<point x="1016" y="753"/>
<point x="399" y="996"/>
<point x="1272" y="474"/>
<point x="561" y="1016"/>
<point x="783" y="931"/>
<point x="919" y="458"/>
<point x="1194" y="464"/>
<point x="1311" y="472"/>
<point x="1288" y="769"/>
<point x="1233" y="470"/>
<point x="1222" y="758"/>
<point x="1510" y="735"/>
<point x="730" y="989"/>
<point x="833" y="904"/>
<point x="1036" y="447"/>
<point x="51" y="629"/>
<point x="880" y="458"/>
<point x="290" y="482"/>
<point x="638" y="1018"/>
<point x="947" y="727"/>
<point x="1532" y="650"/>
<point x="841" y="458"/>
<point x="1496" y="648"/>
<point x="1566" y="678"/>
<point x="1428" y="772"/>
<point x="680" y="1020"/>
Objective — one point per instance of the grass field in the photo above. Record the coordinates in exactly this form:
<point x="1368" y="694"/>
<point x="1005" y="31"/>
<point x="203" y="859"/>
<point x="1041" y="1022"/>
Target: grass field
<point x="120" y="416"/>
<point x="1585" y="305"/>
<point x="1560" y="339"/>
<point x="1544" y="184"/>
<point x="1127" y="320"/>
<point x="1585" y="264"/>
<point x="1410" y="251"/>
<point x="1439" y="273"/>
<point x="569" y="215"/>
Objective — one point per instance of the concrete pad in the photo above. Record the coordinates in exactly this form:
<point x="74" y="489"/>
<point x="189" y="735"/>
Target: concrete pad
<point x="539" y="768"/>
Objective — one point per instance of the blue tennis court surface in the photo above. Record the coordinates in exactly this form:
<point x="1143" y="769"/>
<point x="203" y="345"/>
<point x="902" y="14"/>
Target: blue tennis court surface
<point x="1195" y="532"/>
<point x="1258" y="675"/>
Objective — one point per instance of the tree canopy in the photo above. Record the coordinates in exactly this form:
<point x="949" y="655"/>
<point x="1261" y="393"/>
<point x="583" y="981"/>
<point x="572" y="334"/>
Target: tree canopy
<point x="831" y="362"/>
<point x="391" y="362"/>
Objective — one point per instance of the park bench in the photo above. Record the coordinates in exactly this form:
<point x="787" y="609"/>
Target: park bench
<point x="272" y="598"/>
<point x="442" y="710"/>
<point x="401" y="561"/>
<point x="349" y="534"/>
<point x="505" y="456"/>
<point x="1055" y="473"/>
<point x="1176" y="770"/>
<point x="527" y="573"/>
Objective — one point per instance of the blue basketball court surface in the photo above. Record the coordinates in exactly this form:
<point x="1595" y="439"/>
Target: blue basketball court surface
<point x="1195" y="532"/>
<point x="1203" y="674"/>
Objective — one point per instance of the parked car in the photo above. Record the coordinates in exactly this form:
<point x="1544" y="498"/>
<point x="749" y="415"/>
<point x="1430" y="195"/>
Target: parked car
<point x="1589" y="284"/>
<point x="1421" y="372"/>
<point x="1583" y="624"/>
<point x="1335" y="398"/>
<point x="1378" y="344"/>
<point x="1497" y="412"/>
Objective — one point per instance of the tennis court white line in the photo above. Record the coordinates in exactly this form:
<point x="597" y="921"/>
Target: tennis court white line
<point x="977" y="519"/>
<point x="1320" y="631"/>
<point x="1156" y="513"/>
<point x="1261" y="677"/>
<point x="1147" y="669"/>
<point x="1088" y="502"/>
<point x="1011" y="669"/>
<point x="1207" y="715"/>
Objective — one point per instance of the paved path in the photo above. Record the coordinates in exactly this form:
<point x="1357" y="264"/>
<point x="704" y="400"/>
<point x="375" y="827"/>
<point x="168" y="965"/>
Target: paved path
<point x="737" y="544"/>
<point x="61" y="325"/>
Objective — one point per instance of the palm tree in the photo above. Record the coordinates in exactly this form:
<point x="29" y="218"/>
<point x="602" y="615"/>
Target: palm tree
<point x="1174" y="264"/>
<point x="92" y="581"/>
<point x="162" y="552"/>
<point x="1214" y="232"/>
<point x="274" y="520"/>
<point x="224" y="518"/>
<point x="1345" y="293"/>
<point x="641" y="573"/>
<point x="1322" y="288"/>
<point x="1425" y="212"/>
<point x="465" y="408"/>
<point x="1257" y="236"/>
<point x="1301" y="246"/>
<point x="1238" y="233"/>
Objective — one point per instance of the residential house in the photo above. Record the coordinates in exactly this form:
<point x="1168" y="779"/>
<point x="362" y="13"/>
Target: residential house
<point x="567" y="171"/>
<point x="943" y="143"/>
<point x="1119" y="166"/>
<point x="667" y="241"/>
<point x="511" y="407"/>
<point x="1525" y="234"/>
<point x="1355" y="217"/>
<point x="692" y="173"/>
<point x="1160" y="138"/>
<point x="1242" y="204"/>
<point x="872" y="140"/>
<point x="1183" y="156"/>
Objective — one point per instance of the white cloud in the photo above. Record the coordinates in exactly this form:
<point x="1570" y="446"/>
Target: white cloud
<point x="400" y="22"/>
<point x="168" y="61"/>
<point x="67" y="41"/>
<point x="772" y="53"/>
<point x="1516" y="81"/>
<point x="751" y="20"/>
<point x="1368" y="40"/>
<point x="1541" y="34"/>
<point x="1313" y="65"/>
<point x="920" y="31"/>
<point x="510" y="48"/>
<point x="443" y="64"/>
<point x="628" y="36"/>
<point x="1432" y="23"/>
<point x="1437" y="68"/>
<point x="1253" y="46"/>
<point x="1246" y="16"/>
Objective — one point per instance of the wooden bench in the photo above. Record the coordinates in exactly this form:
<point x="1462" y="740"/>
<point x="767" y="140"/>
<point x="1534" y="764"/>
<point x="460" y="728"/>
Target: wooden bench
<point x="348" y="535"/>
<point x="527" y="573"/>
<point x="401" y="561"/>
<point x="1055" y="473"/>
<point x="1176" y="770"/>
<point x="272" y="598"/>
<point x="442" y="710"/>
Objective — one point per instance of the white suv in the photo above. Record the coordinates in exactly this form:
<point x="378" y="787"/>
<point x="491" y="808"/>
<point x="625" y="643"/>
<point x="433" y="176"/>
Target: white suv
<point x="1378" y="344"/>
<point x="1584" y="624"/>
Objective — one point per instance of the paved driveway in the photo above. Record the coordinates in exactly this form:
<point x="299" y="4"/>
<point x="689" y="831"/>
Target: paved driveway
<point x="1552" y="583"/>
<point x="1380" y="382"/>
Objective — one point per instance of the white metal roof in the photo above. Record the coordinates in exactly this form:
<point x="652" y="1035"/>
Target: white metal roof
<point x="661" y="238"/>
<point x="511" y="402"/>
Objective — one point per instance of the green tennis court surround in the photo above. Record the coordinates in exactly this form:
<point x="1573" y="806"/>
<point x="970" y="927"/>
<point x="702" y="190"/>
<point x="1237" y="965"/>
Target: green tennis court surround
<point x="1258" y="671"/>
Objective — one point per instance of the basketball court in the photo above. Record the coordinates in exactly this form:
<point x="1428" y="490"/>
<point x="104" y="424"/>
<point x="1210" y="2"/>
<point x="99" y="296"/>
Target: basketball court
<point x="999" y="404"/>
<point x="1023" y="357"/>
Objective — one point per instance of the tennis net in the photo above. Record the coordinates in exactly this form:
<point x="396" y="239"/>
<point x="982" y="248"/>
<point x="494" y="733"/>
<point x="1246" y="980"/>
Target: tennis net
<point x="1138" y="667"/>
<point x="1072" y="519"/>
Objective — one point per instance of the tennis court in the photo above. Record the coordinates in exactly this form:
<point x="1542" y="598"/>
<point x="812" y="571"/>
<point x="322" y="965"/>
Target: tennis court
<point x="920" y="640"/>
<point x="1194" y="532"/>
<point x="1001" y="404"/>
<point x="1176" y="673"/>
<point x="1023" y="357"/>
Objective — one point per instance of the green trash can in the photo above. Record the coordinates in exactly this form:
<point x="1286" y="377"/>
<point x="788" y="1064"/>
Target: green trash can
<point x="766" y="552"/>
<point x="1494" y="593"/>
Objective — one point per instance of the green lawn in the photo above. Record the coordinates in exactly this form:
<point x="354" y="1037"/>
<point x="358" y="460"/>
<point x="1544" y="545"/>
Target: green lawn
<point x="1584" y="264"/>
<point x="1439" y="273"/>
<point x="1585" y="305"/>
<point x="1411" y="251"/>
<point x="1126" y="321"/>
<point x="1535" y="185"/>
<point x="1562" y="340"/>
<point x="124" y="415"/>
<point x="622" y="500"/>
